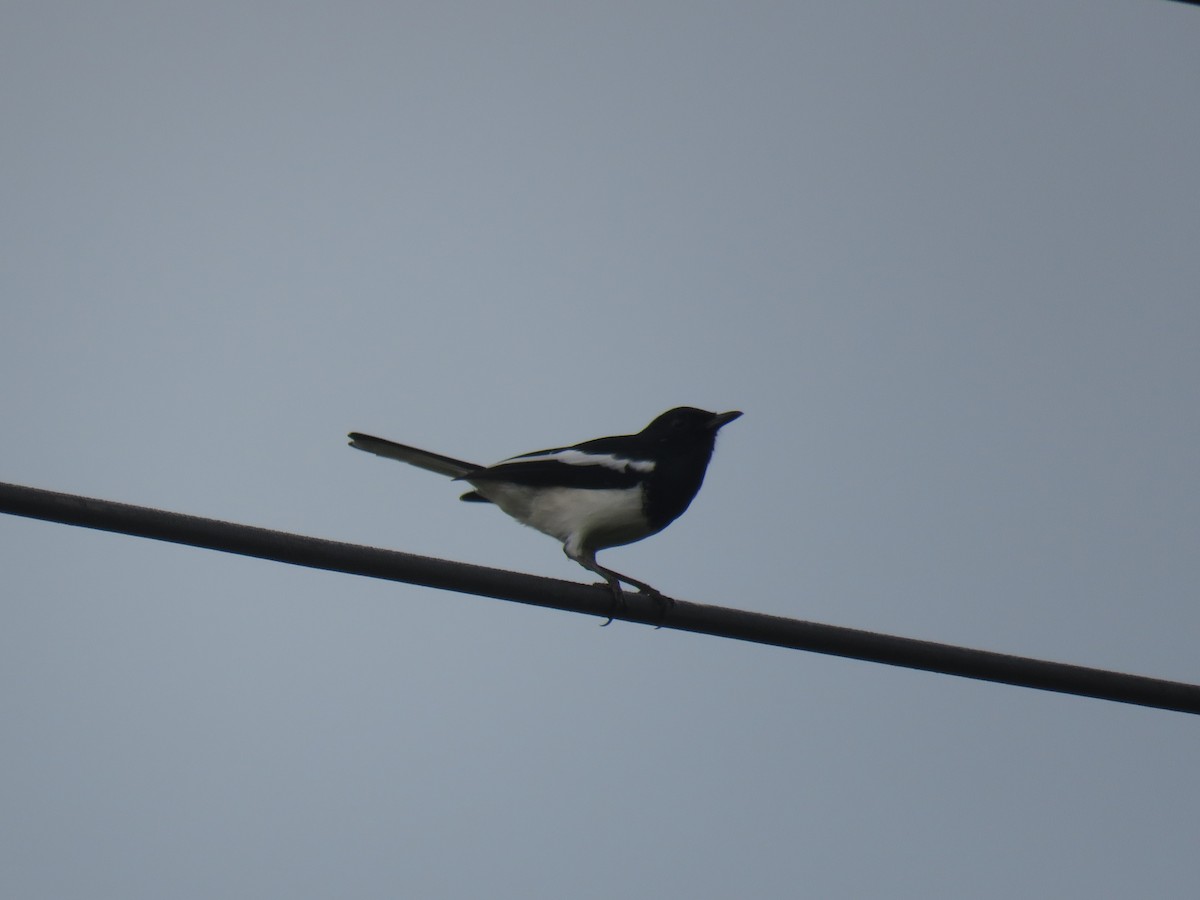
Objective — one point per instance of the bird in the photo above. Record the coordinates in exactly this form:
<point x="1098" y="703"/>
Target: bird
<point x="593" y="495"/>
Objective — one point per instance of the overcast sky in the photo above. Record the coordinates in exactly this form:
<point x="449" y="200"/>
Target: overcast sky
<point x="944" y="255"/>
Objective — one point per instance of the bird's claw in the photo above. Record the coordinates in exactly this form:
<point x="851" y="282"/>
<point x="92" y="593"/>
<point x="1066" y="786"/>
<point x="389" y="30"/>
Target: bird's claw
<point x="618" y="601"/>
<point x="665" y="603"/>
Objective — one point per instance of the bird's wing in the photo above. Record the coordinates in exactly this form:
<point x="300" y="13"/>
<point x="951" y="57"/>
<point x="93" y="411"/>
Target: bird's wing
<point x="434" y="462"/>
<point x="580" y="466"/>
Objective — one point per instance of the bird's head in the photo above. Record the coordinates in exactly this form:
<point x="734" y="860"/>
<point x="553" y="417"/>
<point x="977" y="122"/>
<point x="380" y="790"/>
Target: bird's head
<point x="686" y="424"/>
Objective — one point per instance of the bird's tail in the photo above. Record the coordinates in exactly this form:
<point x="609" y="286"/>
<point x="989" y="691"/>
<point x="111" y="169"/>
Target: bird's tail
<point x="434" y="462"/>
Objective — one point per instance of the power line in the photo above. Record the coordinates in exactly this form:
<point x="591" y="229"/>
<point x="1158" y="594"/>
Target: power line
<point x="594" y="600"/>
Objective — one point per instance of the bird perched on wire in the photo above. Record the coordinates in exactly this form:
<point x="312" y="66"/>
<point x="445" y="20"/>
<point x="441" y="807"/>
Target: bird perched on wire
<point x="600" y="493"/>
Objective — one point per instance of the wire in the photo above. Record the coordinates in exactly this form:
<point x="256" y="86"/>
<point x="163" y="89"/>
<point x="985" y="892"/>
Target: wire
<point x="719" y="621"/>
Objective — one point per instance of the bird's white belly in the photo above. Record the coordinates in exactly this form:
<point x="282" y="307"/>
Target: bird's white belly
<point x="576" y="516"/>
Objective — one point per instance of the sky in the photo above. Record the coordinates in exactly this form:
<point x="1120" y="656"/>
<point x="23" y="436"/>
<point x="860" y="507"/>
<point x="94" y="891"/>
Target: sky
<point x="942" y="254"/>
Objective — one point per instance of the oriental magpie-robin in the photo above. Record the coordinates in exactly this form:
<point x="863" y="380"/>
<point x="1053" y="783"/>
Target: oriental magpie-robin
<point x="600" y="493"/>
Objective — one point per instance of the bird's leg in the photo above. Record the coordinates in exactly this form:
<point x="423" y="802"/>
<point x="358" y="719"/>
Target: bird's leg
<point x="588" y="561"/>
<point x="664" y="602"/>
<point x="614" y="585"/>
<point x="614" y="579"/>
<point x="618" y="598"/>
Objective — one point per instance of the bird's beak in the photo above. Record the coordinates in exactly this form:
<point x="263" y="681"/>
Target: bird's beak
<point x="723" y="419"/>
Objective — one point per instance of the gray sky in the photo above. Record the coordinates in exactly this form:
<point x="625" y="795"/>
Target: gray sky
<point x="944" y="255"/>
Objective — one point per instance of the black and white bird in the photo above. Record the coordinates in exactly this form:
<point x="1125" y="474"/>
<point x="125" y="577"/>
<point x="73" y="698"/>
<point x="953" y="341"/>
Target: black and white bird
<point x="600" y="493"/>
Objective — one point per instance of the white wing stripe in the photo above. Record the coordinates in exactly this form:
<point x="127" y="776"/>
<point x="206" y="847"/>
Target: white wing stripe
<point x="581" y="458"/>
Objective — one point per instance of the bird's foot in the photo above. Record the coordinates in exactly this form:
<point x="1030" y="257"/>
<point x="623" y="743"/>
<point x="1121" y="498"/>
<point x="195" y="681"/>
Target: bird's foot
<point x="665" y="603"/>
<point x="618" y="606"/>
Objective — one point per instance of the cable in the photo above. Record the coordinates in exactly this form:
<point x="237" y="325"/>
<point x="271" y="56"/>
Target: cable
<point x="719" y="621"/>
